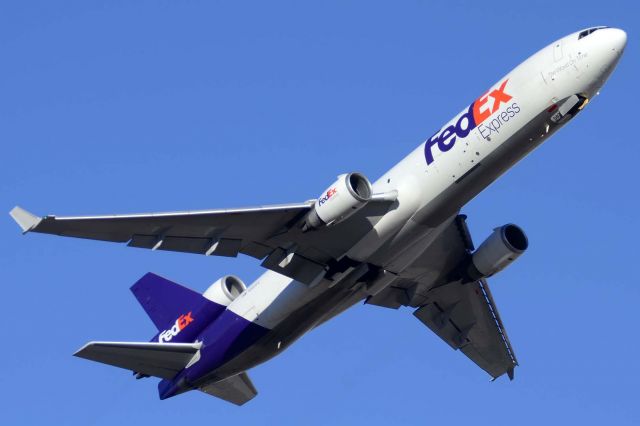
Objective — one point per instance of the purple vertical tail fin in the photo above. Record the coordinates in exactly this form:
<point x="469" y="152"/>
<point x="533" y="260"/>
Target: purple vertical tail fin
<point x="179" y="313"/>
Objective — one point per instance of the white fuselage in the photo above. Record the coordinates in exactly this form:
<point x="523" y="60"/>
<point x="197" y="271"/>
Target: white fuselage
<point x="435" y="180"/>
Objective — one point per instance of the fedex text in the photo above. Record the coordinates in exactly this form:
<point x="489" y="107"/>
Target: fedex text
<point x="475" y="116"/>
<point x="182" y="321"/>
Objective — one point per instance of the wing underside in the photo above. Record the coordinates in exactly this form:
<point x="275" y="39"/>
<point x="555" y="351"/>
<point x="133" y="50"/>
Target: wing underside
<point x="464" y="315"/>
<point x="271" y="233"/>
<point x="466" y="318"/>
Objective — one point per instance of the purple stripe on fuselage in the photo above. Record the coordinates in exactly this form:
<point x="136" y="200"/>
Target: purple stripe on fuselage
<point x="227" y="337"/>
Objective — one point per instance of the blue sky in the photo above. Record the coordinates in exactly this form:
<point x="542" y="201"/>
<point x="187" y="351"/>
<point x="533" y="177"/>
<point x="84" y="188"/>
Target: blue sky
<point x="111" y="107"/>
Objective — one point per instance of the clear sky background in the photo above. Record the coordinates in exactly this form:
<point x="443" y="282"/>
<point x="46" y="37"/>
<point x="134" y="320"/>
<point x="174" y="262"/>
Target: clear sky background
<point x="121" y="107"/>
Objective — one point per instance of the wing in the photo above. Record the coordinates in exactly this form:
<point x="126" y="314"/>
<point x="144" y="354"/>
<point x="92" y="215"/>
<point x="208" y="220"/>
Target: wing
<point x="465" y="316"/>
<point x="236" y="389"/>
<point x="187" y="231"/>
<point x="162" y="360"/>
<point x="272" y="233"/>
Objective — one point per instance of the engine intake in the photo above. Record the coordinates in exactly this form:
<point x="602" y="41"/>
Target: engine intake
<point x="225" y="290"/>
<point x="343" y="198"/>
<point x="499" y="250"/>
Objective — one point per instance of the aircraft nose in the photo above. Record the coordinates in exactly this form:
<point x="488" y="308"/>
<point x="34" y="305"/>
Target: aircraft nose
<point x="617" y="39"/>
<point x="608" y="47"/>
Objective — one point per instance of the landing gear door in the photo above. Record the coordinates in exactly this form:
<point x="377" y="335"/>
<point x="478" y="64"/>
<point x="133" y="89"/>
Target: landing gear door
<point x="569" y="108"/>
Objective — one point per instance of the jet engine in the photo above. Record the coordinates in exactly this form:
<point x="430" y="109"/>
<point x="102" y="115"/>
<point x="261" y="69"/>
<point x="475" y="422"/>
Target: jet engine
<point x="499" y="250"/>
<point x="225" y="290"/>
<point x="344" y="197"/>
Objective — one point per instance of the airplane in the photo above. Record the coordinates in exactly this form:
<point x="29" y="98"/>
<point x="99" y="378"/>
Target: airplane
<point x="400" y="241"/>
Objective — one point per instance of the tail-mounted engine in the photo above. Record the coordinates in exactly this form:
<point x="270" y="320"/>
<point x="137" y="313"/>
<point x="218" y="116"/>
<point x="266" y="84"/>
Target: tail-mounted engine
<point x="498" y="251"/>
<point x="342" y="199"/>
<point x="225" y="290"/>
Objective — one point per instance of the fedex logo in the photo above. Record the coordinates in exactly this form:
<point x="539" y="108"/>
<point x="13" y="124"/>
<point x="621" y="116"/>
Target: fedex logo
<point x="182" y="321"/>
<point x="477" y="113"/>
<point x="325" y="198"/>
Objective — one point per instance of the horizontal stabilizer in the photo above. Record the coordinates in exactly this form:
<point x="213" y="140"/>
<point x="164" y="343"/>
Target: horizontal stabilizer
<point x="162" y="360"/>
<point x="26" y="220"/>
<point x="236" y="389"/>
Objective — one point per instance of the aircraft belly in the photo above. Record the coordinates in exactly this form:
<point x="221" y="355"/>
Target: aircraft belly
<point x="290" y="329"/>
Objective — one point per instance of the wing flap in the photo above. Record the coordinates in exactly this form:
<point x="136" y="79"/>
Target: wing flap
<point x="162" y="360"/>
<point x="236" y="389"/>
<point x="391" y="297"/>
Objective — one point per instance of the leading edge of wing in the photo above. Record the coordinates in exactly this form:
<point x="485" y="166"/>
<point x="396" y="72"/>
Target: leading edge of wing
<point x="29" y="222"/>
<point x="484" y="286"/>
<point x="18" y="213"/>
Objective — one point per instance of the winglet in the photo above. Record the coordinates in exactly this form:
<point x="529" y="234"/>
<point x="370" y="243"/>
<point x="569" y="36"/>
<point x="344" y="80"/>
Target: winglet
<point x="27" y="221"/>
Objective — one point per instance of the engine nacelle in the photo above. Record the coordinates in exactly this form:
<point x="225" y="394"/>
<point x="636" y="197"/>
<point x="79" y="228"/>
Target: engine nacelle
<point x="225" y="290"/>
<point x="498" y="251"/>
<point x="344" y="197"/>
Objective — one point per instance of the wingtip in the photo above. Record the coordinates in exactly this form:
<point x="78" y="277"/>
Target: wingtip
<point x="26" y="220"/>
<point x="78" y="353"/>
<point x="510" y="374"/>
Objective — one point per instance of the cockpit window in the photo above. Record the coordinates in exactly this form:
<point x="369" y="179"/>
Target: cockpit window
<point x="589" y="31"/>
